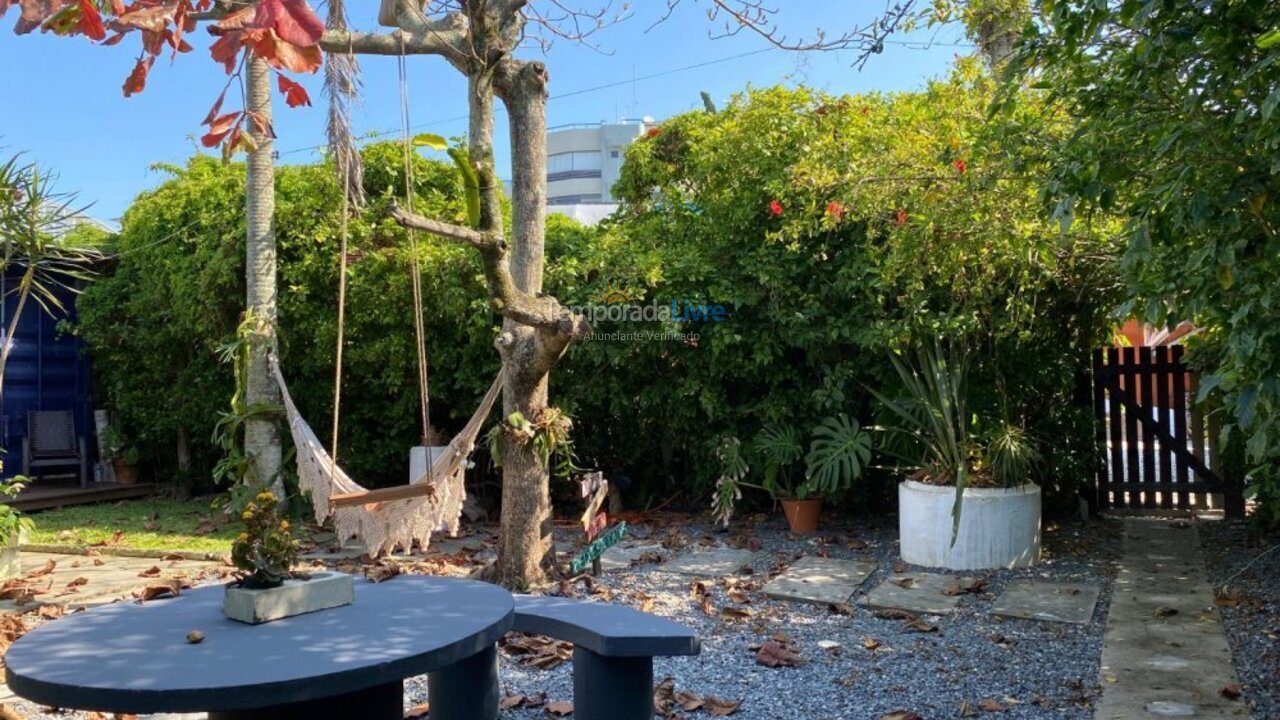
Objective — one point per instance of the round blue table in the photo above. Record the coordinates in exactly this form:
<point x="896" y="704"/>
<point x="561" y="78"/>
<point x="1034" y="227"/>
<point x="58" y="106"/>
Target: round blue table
<point x="347" y="662"/>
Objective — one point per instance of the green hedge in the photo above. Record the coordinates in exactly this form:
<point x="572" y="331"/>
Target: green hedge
<point x="901" y="215"/>
<point x="153" y="326"/>
<point x="834" y="229"/>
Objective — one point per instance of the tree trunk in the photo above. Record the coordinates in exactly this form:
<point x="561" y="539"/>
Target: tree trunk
<point x="525" y="539"/>
<point x="525" y="535"/>
<point x="262" y="431"/>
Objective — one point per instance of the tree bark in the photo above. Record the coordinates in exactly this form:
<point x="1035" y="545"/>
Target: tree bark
<point x="261" y="431"/>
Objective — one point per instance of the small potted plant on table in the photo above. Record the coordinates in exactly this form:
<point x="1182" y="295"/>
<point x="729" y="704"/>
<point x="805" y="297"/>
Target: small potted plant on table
<point x="267" y="588"/>
<point x="838" y="452"/>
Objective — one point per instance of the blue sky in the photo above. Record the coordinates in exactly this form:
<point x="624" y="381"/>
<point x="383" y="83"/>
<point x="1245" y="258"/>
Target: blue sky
<point x="64" y="105"/>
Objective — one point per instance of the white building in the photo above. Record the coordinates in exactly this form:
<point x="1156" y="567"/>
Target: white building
<point x="584" y="162"/>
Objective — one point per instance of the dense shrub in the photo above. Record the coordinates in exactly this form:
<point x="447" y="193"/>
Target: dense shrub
<point x="833" y="229"/>
<point x="154" y="325"/>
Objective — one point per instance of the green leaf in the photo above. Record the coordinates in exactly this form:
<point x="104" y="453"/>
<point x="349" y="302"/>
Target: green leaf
<point x="1268" y="40"/>
<point x="470" y="184"/>
<point x="430" y="140"/>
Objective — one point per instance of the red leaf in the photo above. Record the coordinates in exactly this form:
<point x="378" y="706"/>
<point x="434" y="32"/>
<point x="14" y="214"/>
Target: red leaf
<point x="226" y="49"/>
<point x="217" y="108"/>
<point x="292" y="20"/>
<point x="294" y="94"/>
<point x="238" y="20"/>
<point x="219" y="129"/>
<point x="151" y="19"/>
<point x="35" y="12"/>
<point x="282" y="55"/>
<point x="90" y="23"/>
<point x="137" y="80"/>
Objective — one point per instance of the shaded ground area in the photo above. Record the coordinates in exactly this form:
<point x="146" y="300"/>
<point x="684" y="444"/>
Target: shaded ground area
<point x="1250" y="606"/>
<point x="847" y="662"/>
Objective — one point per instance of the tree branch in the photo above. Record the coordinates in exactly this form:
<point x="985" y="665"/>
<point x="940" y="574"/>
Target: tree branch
<point x="474" y="238"/>
<point x="539" y="311"/>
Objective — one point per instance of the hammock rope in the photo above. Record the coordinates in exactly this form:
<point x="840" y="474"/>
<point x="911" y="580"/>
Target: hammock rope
<point x="398" y="517"/>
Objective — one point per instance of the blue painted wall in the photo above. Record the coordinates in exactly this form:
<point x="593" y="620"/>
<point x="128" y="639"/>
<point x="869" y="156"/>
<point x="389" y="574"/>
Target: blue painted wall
<point x="47" y="370"/>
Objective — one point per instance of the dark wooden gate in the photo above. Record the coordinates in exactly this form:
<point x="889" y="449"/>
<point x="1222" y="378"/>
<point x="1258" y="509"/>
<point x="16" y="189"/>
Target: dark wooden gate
<point x="1156" y="451"/>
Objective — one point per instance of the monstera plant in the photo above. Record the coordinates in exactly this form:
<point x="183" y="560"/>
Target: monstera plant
<point x="838" y="452"/>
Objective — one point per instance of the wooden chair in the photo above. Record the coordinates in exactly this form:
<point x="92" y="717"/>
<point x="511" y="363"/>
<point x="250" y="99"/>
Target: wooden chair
<point x="51" y="441"/>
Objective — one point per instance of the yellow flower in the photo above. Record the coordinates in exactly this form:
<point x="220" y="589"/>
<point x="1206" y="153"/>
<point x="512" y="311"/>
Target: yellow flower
<point x="243" y="537"/>
<point x="246" y="515"/>
<point x="266" y="495"/>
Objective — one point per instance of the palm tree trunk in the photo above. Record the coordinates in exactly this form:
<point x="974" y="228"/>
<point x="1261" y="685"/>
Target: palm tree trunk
<point x="262" y="432"/>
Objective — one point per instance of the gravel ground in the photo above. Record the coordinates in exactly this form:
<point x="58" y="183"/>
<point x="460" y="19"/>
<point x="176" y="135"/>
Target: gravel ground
<point x="1250" y="607"/>
<point x="1038" y="670"/>
<point x="1034" y="669"/>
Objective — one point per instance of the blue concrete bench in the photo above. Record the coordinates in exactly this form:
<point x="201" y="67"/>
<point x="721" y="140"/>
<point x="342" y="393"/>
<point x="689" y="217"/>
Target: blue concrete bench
<point x="613" y="651"/>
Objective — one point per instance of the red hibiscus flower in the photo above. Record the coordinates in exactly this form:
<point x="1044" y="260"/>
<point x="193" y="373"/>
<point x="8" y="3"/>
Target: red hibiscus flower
<point x="900" y="218"/>
<point x="836" y="210"/>
<point x="961" y="166"/>
<point x="775" y="208"/>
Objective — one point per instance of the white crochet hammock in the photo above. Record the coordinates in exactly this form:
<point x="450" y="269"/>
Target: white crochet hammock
<point x="393" y="524"/>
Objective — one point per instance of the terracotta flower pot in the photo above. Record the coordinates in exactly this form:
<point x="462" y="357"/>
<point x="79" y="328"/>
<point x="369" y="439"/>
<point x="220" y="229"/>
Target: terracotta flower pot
<point x="802" y="515"/>
<point x="126" y="473"/>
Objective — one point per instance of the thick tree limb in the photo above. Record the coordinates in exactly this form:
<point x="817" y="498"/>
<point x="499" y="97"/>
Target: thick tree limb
<point x="538" y="311"/>
<point x="474" y="238"/>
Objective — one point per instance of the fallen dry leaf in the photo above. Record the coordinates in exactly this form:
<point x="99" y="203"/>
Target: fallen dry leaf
<point x="153" y="571"/>
<point x="895" y="614"/>
<point x="689" y="701"/>
<point x="965" y="585"/>
<point x="716" y="707"/>
<point x="1231" y="692"/>
<point x="418" y="712"/>
<point x="919" y="625"/>
<point x="776" y="654"/>
<point x="559" y="708"/>
<point x="195" y="637"/>
<point x="990" y="705"/>
<point x="383" y="571"/>
<point x="905" y="583"/>
<point x="1164" y="612"/>
<point x="901" y="715"/>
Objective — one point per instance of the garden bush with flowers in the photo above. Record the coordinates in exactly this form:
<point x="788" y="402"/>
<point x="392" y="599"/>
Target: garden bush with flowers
<point x="835" y="229"/>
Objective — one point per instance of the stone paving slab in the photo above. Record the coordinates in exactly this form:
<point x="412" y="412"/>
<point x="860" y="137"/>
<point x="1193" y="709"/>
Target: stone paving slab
<point x="824" y="581"/>
<point x="925" y="594"/>
<point x="718" y="562"/>
<point x="1052" y="602"/>
<point x="109" y="578"/>
<point x="619" y="557"/>
<point x="1164" y="653"/>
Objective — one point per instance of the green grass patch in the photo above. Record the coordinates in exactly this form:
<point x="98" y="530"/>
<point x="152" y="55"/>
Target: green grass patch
<point x="193" y="525"/>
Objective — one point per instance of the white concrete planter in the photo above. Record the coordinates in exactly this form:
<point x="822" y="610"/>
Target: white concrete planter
<point x="10" y="562"/>
<point x="999" y="528"/>
<point x="321" y="591"/>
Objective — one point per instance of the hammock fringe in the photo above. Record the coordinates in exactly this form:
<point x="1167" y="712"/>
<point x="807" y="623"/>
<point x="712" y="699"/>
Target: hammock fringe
<point x="395" y="524"/>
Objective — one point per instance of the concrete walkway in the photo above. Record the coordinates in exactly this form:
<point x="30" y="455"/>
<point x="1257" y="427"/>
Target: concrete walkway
<point x="1164" y="653"/>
